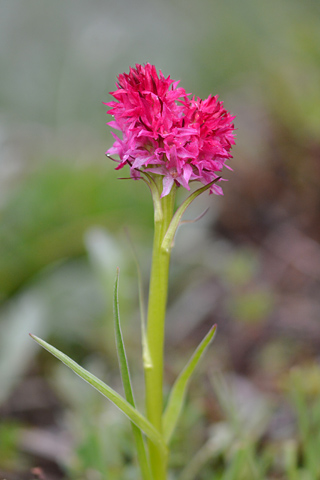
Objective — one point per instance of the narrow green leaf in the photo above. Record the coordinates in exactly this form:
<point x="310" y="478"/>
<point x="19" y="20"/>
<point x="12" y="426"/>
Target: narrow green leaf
<point x="179" y="389"/>
<point x="169" y="236"/>
<point x="134" y="415"/>
<point x="123" y="361"/>
<point x="125" y="375"/>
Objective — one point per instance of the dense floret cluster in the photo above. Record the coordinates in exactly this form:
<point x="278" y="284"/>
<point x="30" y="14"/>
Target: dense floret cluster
<point x="166" y="132"/>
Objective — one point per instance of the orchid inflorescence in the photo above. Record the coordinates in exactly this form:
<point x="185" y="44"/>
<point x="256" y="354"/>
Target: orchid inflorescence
<point x="167" y="132"/>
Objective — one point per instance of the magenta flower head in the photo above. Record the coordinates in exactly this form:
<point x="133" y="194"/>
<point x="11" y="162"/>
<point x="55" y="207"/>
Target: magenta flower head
<point x="167" y="132"/>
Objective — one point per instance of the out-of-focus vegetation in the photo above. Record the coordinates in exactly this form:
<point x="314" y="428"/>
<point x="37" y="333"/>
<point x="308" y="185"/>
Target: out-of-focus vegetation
<point x="251" y="265"/>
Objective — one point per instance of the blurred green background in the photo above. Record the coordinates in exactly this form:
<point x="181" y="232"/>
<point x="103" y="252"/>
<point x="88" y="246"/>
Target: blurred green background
<point x="252" y="264"/>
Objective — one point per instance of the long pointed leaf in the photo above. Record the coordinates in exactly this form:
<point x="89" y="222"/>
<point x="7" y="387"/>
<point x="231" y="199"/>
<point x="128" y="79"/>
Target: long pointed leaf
<point x="134" y="415"/>
<point x="178" y="391"/>
<point x="125" y="375"/>
<point x="169" y="236"/>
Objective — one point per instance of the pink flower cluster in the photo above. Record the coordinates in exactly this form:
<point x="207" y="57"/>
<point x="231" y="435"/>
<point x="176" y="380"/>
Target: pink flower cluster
<point x="166" y="132"/>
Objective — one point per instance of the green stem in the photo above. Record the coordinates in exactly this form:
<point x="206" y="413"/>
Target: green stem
<point x="155" y="329"/>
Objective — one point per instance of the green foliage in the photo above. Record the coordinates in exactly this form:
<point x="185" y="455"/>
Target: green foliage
<point x="109" y="393"/>
<point x="235" y="451"/>
<point x="179" y="389"/>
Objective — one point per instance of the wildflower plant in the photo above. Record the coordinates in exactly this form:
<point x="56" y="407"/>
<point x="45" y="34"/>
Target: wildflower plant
<point x="168" y="139"/>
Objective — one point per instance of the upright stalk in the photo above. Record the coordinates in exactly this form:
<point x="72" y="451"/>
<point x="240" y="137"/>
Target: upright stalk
<point x="155" y="329"/>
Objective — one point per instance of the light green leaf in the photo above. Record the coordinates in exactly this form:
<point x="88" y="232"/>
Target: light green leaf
<point x="167" y="241"/>
<point x="125" y="375"/>
<point x="134" y="415"/>
<point x="178" y="391"/>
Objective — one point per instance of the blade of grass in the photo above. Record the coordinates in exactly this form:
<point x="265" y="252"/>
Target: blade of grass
<point x="179" y="389"/>
<point x="125" y="375"/>
<point x="134" y="415"/>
